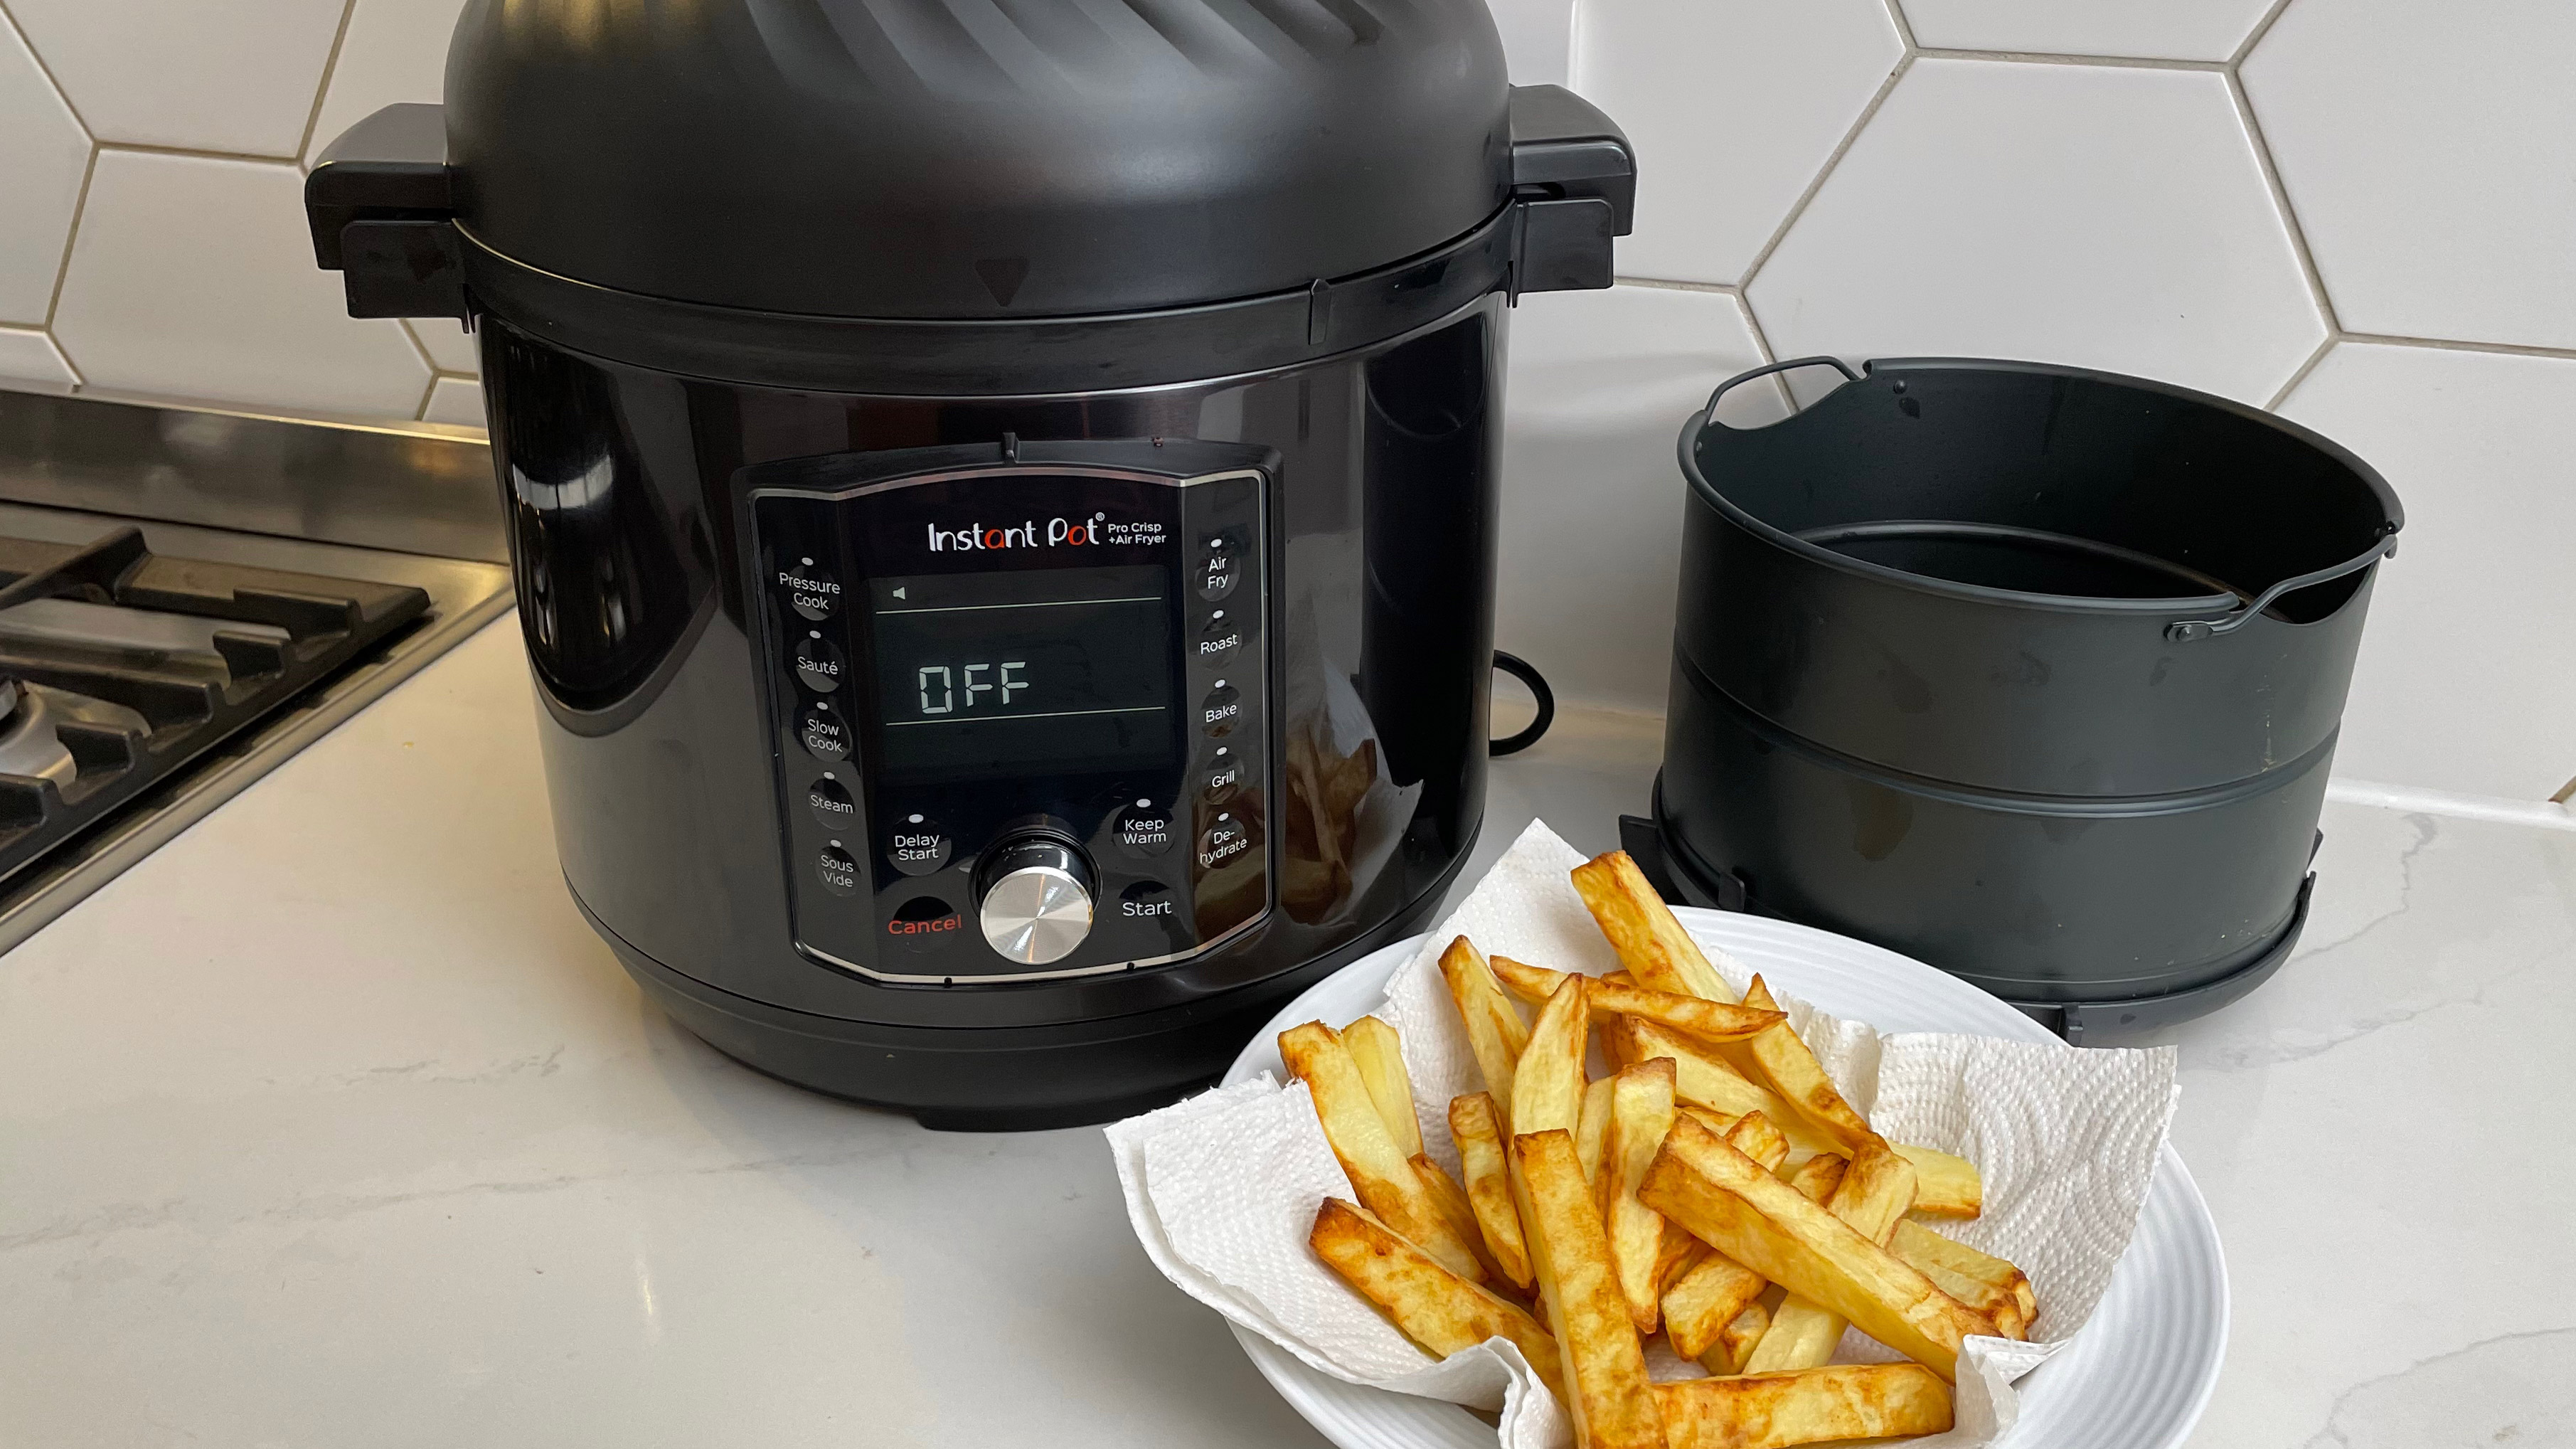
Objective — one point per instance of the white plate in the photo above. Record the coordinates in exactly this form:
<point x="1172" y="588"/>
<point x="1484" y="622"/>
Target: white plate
<point x="2137" y="1376"/>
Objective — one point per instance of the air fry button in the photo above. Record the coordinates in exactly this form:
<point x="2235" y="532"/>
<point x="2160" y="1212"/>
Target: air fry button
<point x="1220" y="567"/>
<point x="818" y="663"/>
<point x="917" y="846"/>
<point x="1223" y="841"/>
<point x="1220" y="710"/>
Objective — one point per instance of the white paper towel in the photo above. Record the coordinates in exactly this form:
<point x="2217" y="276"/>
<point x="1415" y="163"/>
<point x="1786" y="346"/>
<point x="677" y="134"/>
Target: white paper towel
<point x="1223" y="1188"/>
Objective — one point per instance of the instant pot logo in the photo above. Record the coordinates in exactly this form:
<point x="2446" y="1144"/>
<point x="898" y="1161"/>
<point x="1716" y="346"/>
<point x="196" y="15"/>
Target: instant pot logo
<point x="1092" y="532"/>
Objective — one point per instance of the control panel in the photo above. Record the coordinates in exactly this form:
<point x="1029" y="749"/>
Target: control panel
<point x="1020" y="703"/>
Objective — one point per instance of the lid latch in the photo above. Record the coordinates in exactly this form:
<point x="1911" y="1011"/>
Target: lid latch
<point x="1574" y="188"/>
<point x="381" y="203"/>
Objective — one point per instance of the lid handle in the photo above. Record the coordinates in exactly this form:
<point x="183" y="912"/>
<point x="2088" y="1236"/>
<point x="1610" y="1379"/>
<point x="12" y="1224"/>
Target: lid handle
<point x="381" y="205"/>
<point x="1574" y="186"/>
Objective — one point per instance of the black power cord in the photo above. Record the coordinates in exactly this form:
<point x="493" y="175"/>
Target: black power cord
<point x="1519" y="668"/>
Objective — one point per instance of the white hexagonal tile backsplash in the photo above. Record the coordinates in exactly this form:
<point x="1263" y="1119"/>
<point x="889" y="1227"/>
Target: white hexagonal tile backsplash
<point x="2101" y="216"/>
<point x="394" y="51"/>
<point x="2161" y="29"/>
<point x="202" y="75"/>
<point x="43" y="155"/>
<point x="2429" y="148"/>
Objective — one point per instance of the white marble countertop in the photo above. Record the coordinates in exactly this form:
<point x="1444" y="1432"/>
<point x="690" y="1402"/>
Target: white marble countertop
<point x="331" y="1124"/>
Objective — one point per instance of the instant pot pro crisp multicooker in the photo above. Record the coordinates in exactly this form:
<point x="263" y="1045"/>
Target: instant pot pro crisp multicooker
<point x="1002" y="497"/>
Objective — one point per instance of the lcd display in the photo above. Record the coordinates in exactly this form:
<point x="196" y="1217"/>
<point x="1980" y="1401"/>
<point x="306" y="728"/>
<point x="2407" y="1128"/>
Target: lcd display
<point x="1028" y="671"/>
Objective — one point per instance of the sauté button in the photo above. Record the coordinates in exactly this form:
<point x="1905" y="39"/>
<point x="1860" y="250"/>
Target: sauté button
<point x="826" y="736"/>
<point x="1221" y="709"/>
<point x="1147" y="900"/>
<point x="1223" y="841"/>
<point x="917" y="846"/>
<point x="1224" y="775"/>
<point x="813" y="593"/>
<point x="837" y="870"/>
<point x="819" y="664"/>
<point x="830" y="801"/>
<point x="1221" y="640"/>
<point x="1144" y="831"/>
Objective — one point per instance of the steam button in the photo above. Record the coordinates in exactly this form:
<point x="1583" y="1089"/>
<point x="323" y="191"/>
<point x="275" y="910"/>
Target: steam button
<point x="830" y="801"/>
<point x="825" y="735"/>
<point x="917" y="846"/>
<point x="819" y="663"/>
<point x="1221" y="710"/>
<point x="837" y="870"/>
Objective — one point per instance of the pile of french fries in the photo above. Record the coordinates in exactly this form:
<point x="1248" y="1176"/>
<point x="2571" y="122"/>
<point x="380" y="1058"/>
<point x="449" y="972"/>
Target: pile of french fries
<point x="1714" y="1188"/>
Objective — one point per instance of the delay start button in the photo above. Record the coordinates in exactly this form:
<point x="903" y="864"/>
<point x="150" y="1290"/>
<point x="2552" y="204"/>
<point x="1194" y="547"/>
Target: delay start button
<point x="1223" y="841"/>
<point x="1144" y="830"/>
<point x="917" y="846"/>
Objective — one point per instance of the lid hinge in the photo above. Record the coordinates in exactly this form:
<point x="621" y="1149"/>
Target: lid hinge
<point x="381" y="205"/>
<point x="1574" y="187"/>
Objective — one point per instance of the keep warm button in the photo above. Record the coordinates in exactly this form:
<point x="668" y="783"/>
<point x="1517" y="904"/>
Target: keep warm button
<point x="1144" y="831"/>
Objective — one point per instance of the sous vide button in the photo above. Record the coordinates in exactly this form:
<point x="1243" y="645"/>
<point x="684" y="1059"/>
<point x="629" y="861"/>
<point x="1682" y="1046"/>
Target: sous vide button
<point x="837" y="870"/>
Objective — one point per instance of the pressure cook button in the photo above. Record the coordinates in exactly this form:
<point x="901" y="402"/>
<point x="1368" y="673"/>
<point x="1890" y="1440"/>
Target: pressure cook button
<point x="813" y="593"/>
<point x="830" y="801"/>
<point x="825" y="735"/>
<point x="819" y="664"/>
<point x="917" y="846"/>
<point x="1221" y="640"/>
<point x="837" y="870"/>
<point x="1222" y="842"/>
<point x="1221" y="710"/>
<point x="1144" y="831"/>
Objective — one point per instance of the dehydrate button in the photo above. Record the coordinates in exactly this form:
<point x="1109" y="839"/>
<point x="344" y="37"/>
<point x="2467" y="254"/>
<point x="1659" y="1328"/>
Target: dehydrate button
<point x="1223" y="841"/>
<point x="819" y="663"/>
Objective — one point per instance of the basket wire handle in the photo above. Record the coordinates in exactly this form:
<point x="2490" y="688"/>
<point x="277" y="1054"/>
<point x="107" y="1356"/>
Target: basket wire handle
<point x="2184" y="631"/>
<point x="1741" y="378"/>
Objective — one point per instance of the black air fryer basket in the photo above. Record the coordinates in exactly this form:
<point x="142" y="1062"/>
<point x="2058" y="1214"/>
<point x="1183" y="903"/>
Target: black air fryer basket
<point x="2031" y="672"/>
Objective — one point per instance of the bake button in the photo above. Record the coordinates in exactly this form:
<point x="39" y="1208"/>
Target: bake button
<point x="1224" y="776"/>
<point x="830" y="801"/>
<point x="1221" y="640"/>
<point x="1223" y="841"/>
<point x="1147" y="900"/>
<point x="1144" y="831"/>
<point x="918" y="846"/>
<point x="837" y="870"/>
<point x="924" y="920"/>
<point x="819" y="663"/>
<point x="1221" y="709"/>
<point x="825" y="735"/>
<point x="813" y="593"/>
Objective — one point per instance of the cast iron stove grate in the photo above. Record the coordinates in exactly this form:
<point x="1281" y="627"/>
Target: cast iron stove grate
<point x="119" y="666"/>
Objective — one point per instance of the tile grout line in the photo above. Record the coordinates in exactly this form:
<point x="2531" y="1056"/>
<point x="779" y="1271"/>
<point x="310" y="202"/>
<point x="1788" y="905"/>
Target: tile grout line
<point x="322" y="92"/>
<point x="144" y="148"/>
<point x="2301" y="375"/>
<point x="1797" y="209"/>
<point x="2255" y="36"/>
<point x="2097" y="62"/>
<point x="2453" y="344"/>
<point x="71" y="234"/>
<point x="1666" y="284"/>
<point x="80" y="201"/>
<point x="2272" y="182"/>
<point x="420" y="414"/>
<point x="1904" y="27"/>
<point x="419" y="348"/>
<point x="47" y="71"/>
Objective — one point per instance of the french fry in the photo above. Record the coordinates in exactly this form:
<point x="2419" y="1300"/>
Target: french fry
<point x="1704" y="1302"/>
<point x="1495" y="1031"/>
<point x="1458" y="1213"/>
<point x="1737" y="1341"/>
<point x="1702" y="1078"/>
<point x="1547" y="1081"/>
<point x="1592" y="1128"/>
<point x="1945" y="1186"/>
<point x="1734" y="1204"/>
<point x="1373" y="1044"/>
<point x="1796" y="1075"/>
<point x="1754" y="1135"/>
<point x="1618" y="1040"/>
<point x="1386" y="1183"/>
<point x="1992" y="1285"/>
<point x="1818" y="1176"/>
<point x="1434" y="1307"/>
<point x="1650" y="942"/>
<point x="1692" y="1016"/>
<point x="1641" y="1112"/>
<point x="1675" y="1255"/>
<point x="1872" y="1198"/>
<point x="1604" y="1367"/>
<point x="1849" y="1401"/>
<point x="1474" y="1126"/>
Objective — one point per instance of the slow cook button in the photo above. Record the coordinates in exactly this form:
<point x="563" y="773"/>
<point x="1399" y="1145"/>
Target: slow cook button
<point x="1146" y="900"/>
<point x="826" y="736"/>
<point x="837" y="871"/>
<point x="830" y="801"/>
<point x="1144" y="831"/>
<point x="1221" y="640"/>
<point x="818" y="663"/>
<point x="918" y="846"/>
<point x="1222" y="842"/>
<point x="1219" y="711"/>
<point x="813" y="593"/>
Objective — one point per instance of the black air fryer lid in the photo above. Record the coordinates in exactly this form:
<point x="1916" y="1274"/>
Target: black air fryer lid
<point x="952" y="158"/>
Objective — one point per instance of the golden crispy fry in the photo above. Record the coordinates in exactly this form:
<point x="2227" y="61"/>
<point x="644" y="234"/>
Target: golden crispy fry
<point x="1604" y="1367"/>
<point x="1641" y="1112"/>
<point x="1677" y="1254"/>
<point x="1703" y="1078"/>
<point x="1795" y="1074"/>
<point x="1692" y="1016"/>
<point x="1458" y="1213"/>
<point x="1473" y="1125"/>
<point x="1373" y="1044"/>
<point x="1736" y="1206"/>
<point x="1718" y="1122"/>
<point x="1650" y="942"/>
<point x="1429" y="1304"/>
<point x="1495" y="1031"/>
<point x="1754" y="1135"/>
<point x="1699" y="1307"/>
<point x="1618" y="1041"/>
<point x="1818" y="1176"/>
<point x="1592" y="1128"/>
<point x="1872" y="1197"/>
<point x="1736" y="1343"/>
<point x="1945" y="1186"/>
<point x="1547" y="1081"/>
<point x="1385" y="1182"/>
<point x="1851" y="1401"/>
<point x="1984" y="1282"/>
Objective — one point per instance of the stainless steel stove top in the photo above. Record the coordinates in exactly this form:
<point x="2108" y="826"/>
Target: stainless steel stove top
<point x="156" y="657"/>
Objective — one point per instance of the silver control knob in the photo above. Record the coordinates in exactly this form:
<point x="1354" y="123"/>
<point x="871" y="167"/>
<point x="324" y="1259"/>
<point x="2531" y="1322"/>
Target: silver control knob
<point x="1036" y="903"/>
